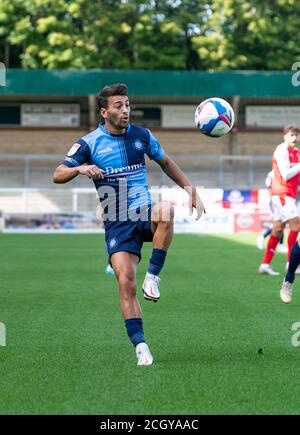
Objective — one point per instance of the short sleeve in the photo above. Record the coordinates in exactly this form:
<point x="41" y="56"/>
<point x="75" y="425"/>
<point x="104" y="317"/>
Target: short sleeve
<point x="154" y="150"/>
<point x="78" y="154"/>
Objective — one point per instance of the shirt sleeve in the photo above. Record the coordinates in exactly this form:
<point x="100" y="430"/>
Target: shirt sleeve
<point x="78" y="154"/>
<point x="154" y="150"/>
<point x="287" y="171"/>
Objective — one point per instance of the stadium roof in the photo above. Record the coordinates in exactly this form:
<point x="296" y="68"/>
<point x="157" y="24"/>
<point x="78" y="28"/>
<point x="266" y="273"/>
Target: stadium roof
<point x="153" y="83"/>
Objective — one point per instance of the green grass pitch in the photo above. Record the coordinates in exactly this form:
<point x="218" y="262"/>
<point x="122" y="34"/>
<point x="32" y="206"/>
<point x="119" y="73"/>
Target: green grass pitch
<point x="67" y="351"/>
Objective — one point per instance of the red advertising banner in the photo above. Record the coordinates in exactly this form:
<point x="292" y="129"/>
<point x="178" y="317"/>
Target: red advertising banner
<point x="251" y="222"/>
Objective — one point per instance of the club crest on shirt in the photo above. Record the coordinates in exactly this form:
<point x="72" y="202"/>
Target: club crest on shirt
<point x="73" y="149"/>
<point x="138" y="145"/>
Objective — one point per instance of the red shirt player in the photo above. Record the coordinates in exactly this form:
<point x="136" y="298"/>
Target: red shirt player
<point x="284" y="190"/>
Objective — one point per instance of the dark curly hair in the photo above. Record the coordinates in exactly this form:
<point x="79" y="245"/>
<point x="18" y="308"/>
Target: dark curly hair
<point x="110" y="91"/>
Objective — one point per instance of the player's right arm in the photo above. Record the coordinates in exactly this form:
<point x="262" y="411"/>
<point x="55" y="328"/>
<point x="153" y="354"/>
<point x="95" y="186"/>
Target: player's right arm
<point x="64" y="174"/>
<point x="77" y="162"/>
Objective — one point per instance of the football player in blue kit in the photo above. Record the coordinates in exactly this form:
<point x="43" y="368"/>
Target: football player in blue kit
<point x="113" y="156"/>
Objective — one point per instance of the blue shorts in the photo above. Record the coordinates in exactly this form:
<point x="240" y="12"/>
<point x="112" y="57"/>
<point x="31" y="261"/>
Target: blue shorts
<point x="128" y="236"/>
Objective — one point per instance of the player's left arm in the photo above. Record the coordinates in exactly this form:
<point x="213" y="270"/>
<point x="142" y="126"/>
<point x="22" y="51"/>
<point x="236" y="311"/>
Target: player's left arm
<point x="172" y="170"/>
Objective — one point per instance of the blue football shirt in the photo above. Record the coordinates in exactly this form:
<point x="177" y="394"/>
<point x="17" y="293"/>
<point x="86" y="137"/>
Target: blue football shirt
<point x="124" y="187"/>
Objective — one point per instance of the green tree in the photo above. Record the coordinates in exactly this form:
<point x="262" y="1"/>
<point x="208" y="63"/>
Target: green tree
<point x="102" y="34"/>
<point x="250" y="35"/>
<point x="150" y="34"/>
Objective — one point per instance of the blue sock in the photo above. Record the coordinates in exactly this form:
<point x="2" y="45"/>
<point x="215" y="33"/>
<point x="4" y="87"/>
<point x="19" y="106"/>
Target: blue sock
<point x="157" y="261"/>
<point x="135" y="331"/>
<point x="267" y="232"/>
<point x="293" y="263"/>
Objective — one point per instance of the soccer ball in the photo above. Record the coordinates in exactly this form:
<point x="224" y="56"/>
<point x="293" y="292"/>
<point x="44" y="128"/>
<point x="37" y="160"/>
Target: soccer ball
<point x="214" y="117"/>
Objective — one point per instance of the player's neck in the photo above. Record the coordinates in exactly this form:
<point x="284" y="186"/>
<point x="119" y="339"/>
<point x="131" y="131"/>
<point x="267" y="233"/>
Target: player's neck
<point x="114" y="130"/>
<point x="291" y="145"/>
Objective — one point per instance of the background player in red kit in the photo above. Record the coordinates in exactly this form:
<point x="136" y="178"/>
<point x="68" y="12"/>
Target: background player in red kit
<point x="284" y="190"/>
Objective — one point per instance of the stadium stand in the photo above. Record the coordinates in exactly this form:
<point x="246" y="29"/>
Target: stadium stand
<point x="241" y="159"/>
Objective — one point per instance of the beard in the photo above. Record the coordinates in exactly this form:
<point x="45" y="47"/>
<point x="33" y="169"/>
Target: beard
<point x="117" y="123"/>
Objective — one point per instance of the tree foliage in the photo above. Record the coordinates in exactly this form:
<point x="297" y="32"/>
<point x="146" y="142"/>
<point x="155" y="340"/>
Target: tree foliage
<point x="254" y="34"/>
<point x="150" y="34"/>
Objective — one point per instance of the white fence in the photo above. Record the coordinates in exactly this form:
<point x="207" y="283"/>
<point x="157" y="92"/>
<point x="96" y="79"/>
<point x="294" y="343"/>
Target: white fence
<point x="214" y="171"/>
<point x="78" y="210"/>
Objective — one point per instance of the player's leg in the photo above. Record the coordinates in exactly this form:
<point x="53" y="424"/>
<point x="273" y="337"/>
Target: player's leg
<point x="277" y="230"/>
<point x="281" y="241"/>
<point x="267" y="232"/>
<point x="162" y="218"/>
<point x="294" y="225"/>
<point x="260" y="241"/>
<point x="287" y="285"/>
<point x="292" y="217"/>
<point x="281" y="248"/>
<point x="124" y="265"/>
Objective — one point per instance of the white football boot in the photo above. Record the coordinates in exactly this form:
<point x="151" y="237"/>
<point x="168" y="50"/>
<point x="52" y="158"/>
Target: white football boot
<point x="260" y="242"/>
<point x="286" y="292"/>
<point x="266" y="269"/>
<point x="282" y="249"/>
<point x="150" y="287"/>
<point x="143" y="354"/>
<point x="109" y="270"/>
